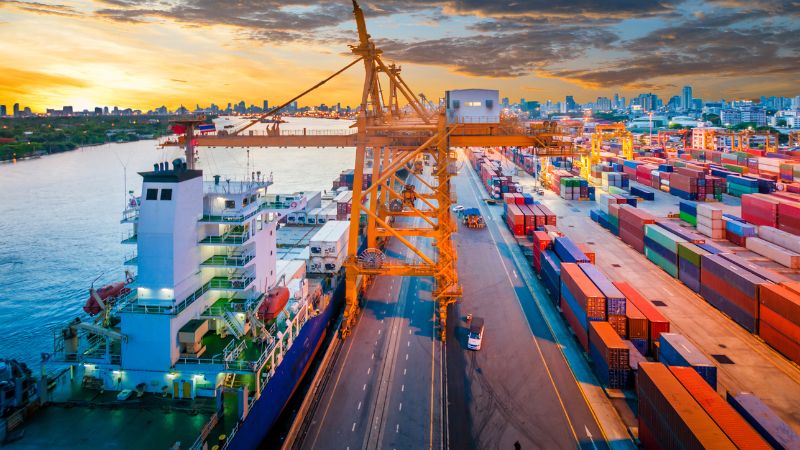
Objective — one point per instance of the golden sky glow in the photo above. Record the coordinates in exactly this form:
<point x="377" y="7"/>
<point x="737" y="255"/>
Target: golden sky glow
<point x="66" y="54"/>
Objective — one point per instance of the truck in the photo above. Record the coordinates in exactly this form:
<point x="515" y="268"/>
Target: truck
<point x="475" y="336"/>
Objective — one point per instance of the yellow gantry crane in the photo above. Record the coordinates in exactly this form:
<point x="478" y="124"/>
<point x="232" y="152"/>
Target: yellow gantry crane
<point x="602" y="133"/>
<point x="396" y="137"/>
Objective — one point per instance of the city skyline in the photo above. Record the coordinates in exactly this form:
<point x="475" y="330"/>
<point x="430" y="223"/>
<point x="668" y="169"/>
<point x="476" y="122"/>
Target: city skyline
<point x="144" y="53"/>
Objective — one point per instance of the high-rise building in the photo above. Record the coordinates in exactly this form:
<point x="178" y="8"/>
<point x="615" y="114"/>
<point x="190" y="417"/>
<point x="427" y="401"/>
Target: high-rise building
<point x="615" y="103"/>
<point x="266" y="105"/>
<point x="570" y="103"/>
<point x="686" y="98"/>
<point x="796" y="102"/>
<point x="674" y="103"/>
<point x="16" y="109"/>
<point x="505" y="102"/>
<point x="3" y="111"/>
<point x="603" y="104"/>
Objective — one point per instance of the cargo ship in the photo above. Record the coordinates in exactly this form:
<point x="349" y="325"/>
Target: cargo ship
<point x="222" y="309"/>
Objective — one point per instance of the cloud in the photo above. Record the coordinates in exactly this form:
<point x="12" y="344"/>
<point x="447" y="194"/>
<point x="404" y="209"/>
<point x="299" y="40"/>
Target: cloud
<point x="500" y="55"/>
<point x="41" y="8"/>
<point x="20" y="81"/>
<point x="718" y="46"/>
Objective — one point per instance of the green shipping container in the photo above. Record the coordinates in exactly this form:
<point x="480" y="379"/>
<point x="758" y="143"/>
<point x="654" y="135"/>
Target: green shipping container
<point x="688" y="218"/>
<point x="663" y="237"/>
<point x="659" y="260"/>
<point x="690" y="252"/>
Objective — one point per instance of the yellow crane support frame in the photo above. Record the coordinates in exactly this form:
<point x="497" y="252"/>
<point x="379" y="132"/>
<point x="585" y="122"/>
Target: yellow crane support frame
<point x="395" y="137"/>
<point x="602" y="133"/>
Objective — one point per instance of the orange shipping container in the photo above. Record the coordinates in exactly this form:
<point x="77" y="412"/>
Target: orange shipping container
<point x="730" y="421"/>
<point x="637" y="322"/>
<point x="668" y="415"/>
<point x="781" y="300"/>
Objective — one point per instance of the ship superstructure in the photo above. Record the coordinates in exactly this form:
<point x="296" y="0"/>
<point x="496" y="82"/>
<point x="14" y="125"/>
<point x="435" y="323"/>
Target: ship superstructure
<point x="210" y="309"/>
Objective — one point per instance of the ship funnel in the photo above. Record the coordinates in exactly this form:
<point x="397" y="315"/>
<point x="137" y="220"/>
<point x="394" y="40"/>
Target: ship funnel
<point x="155" y="167"/>
<point x="216" y="180"/>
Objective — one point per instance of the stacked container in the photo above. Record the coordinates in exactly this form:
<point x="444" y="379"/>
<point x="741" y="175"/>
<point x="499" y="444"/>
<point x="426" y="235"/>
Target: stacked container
<point x="581" y="301"/>
<point x="551" y="274"/>
<point x="609" y="354"/>
<point x="669" y="418"/>
<point x="689" y="263"/>
<point x="779" y="324"/>
<point x="676" y="350"/>
<point x="541" y="242"/>
<point x="737" y="231"/>
<point x="737" y="186"/>
<point x="760" y="209"/>
<point x="631" y="226"/>
<point x="774" y="252"/>
<point x="568" y="251"/>
<point x="730" y="422"/>
<point x="328" y="247"/>
<point x="688" y="212"/>
<point x="778" y="433"/>
<point x="637" y="327"/>
<point x="656" y="323"/>
<point x="615" y="300"/>
<point x="731" y="289"/>
<point x="661" y="247"/>
<point x="515" y="219"/>
<point x="709" y="221"/>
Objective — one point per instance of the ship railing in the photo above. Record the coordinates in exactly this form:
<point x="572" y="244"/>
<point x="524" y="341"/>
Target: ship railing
<point x="205" y="431"/>
<point x="233" y="349"/>
<point x="130" y="215"/>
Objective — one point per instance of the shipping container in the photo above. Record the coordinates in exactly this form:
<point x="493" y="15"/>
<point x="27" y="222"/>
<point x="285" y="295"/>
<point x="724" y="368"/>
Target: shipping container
<point x="609" y="355"/>
<point x="730" y="422"/>
<point x="676" y="350"/>
<point x="778" y="433"/>
<point x="656" y="322"/>
<point x="669" y="418"/>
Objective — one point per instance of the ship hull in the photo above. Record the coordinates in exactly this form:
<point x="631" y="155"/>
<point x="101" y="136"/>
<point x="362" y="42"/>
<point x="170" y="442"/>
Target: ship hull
<point x="280" y="388"/>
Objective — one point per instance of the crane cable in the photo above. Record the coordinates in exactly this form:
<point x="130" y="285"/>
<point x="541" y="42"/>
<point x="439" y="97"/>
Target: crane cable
<point x="274" y="110"/>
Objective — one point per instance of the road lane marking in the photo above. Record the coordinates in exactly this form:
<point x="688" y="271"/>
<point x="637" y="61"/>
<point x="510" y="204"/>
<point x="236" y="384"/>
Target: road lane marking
<point x="397" y="428"/>
<point x="359" y="406"/>
<point x="365" y="387"/>
<point x="379" y="331"/>
<point x="401" y="407"/>
<point x="483" y="208"/>
<point x="373" y="356"/>
<point x="403" y="388"/>
<point x="404" y="371"/>
<point x="406" y="356"/>
<point x="354" y="427"/>
<point x="408" y="344"/>
<point x="369" y="369"/>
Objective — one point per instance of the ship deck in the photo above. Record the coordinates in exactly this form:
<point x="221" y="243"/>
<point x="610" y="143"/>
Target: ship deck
<point x="80" y="418"/>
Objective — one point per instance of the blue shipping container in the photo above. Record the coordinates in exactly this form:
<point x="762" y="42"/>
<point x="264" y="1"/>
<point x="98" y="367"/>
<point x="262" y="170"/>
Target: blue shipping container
<point x="676" y="350"/>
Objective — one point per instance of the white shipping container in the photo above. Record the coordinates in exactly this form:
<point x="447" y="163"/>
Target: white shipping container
<point x="782" y="238"/>
<point x="331" y="239"/>
<point x="311" y="218"/>
<point x="714" y="224"/>
<point x="713" y="233"/>
<point x="774" y="252"/>
<point x="708" y="211"/>
<point x="327" y="264"/>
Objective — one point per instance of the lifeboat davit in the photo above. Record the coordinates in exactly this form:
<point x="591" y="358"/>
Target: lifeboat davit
<point x="107" y="294"/>
<point x="273" y="303"/>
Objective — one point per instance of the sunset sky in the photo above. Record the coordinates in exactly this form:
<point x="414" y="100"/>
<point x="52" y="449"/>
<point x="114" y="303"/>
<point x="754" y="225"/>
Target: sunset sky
<point x="147" y="53"/>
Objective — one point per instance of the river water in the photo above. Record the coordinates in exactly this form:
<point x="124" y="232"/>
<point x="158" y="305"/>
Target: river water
<point x="59" y="222"/>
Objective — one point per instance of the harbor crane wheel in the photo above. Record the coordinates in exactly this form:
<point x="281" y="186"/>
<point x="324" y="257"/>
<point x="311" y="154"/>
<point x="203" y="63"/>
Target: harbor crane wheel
<point x="371" y="258"/>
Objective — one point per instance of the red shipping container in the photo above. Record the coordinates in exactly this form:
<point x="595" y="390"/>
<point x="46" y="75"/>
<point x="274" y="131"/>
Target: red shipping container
<point x="619" y="323"/>
<point x="728" y="419"/>
<point x="550" y="217"/>
<point x="760" y="209"/>
<point x="789" y="216"/>
<point x="772" y="329"/>
<point x="657" y="324"/>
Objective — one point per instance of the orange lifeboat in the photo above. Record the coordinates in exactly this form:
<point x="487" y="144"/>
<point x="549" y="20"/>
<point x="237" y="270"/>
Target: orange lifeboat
<point x="273" y="303"/>
<point x="107" y="294"/>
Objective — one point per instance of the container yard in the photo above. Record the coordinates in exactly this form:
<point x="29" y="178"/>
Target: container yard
<point x="726" y="297"/>
<point x="481" y="272"/>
